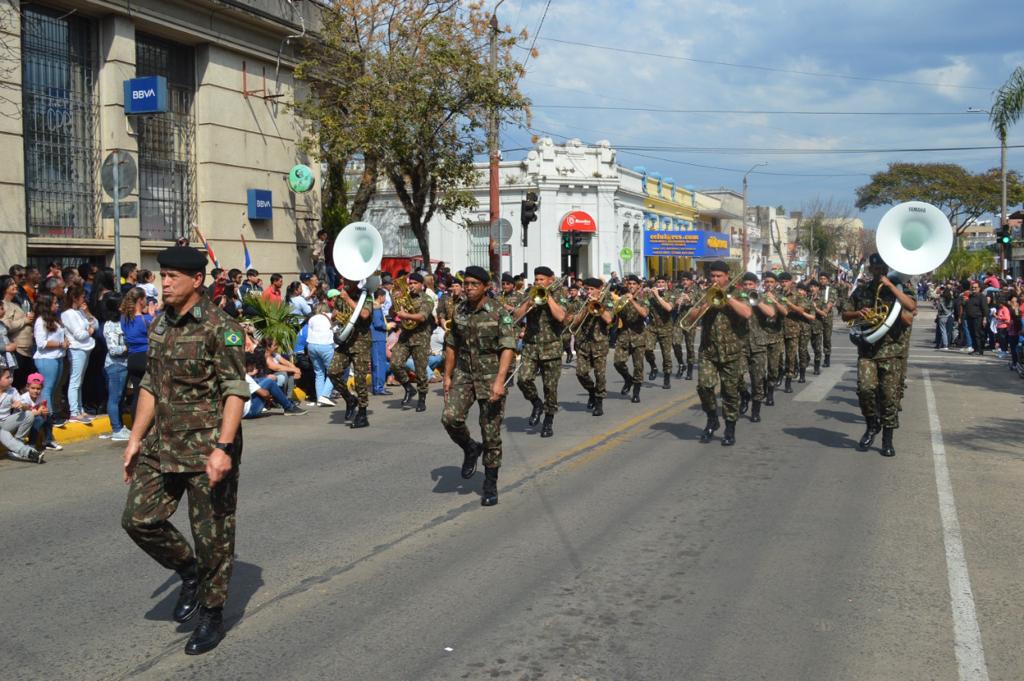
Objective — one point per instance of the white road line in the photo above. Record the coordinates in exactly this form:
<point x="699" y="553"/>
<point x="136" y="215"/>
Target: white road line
<point x="970" y="655"/>
<point x="822" y="385"/>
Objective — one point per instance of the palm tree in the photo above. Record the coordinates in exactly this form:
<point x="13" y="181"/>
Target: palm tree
<point x="1007" y="109"/>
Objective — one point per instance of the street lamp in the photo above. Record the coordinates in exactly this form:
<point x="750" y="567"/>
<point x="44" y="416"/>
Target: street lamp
<point x="1003" y="220"/>
<point x="745" y="248"/>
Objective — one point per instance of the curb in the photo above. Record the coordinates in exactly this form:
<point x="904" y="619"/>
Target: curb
<point x="72" y="432"/>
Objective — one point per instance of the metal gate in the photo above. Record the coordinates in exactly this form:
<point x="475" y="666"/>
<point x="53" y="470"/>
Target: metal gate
<point x="479" y="245"/>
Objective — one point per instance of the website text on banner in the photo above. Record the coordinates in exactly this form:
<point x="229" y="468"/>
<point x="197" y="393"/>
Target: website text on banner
<point x="692" y="244"/>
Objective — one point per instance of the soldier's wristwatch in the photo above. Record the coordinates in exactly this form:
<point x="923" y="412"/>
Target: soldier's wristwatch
<point x="227" y="447"/>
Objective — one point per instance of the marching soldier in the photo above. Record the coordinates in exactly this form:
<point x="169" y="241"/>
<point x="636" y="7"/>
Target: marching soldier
<point x="414" y="342"/>
<point x="592" y="342"/>
<point x="187" y="437"/>
<point x="805" y="322"/>
<point x="542" y="349"/>
<point x="817" y="325"/>
<point x="756" y="349"/>
<point x="354" y="353"/>
<point x="795" y="306"/>
<point x="509" y="298"/>
<point x="660" y="329"/>
<point x="632" y="311"/>
<point x="684" y="301"/>
<point x="477" y="354"/>
<point x="829" y="294"/>
<point x="446" y="305"/>
<point x="773" y="330"/>
<point x="723" y="335"/>
<point x="880" y="366"/>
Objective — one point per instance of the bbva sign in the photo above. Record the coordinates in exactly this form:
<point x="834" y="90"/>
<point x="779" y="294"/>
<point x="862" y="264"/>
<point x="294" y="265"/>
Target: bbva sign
<point x="146" y="95"/>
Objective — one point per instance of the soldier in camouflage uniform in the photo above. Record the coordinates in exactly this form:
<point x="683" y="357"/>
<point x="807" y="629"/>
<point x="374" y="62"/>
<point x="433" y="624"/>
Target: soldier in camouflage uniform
<point x="829" y="295"/>
<point x="630" y="342"/>
<point x="684" y="301"/>
<point x="414" y="342"/>
<point x="542" y="349"/>
<point x="880" y="366"/>
<point x="723" y="337"/>
<point x="509" y="298"/>
<point x="592" y="343"/>
<point x="477" y="355"/>
<point x="446" y="304"/>
<point x="353" y="353"/>
<point x="187" y="438"/>
<point x="796" y="317"/>
<point x="660" y="329"/>
<point x="775" y="340"/>
<point x="804" y="342"/>
<point x="816" y="326"/>
<point x="756" y="349"/>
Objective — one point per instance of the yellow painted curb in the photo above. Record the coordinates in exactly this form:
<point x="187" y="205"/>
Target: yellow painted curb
<point x="77" y="432"/>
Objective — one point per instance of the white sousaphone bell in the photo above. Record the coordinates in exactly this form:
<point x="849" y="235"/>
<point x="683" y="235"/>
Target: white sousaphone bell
<point x="358" y="252"/>
<point x="912" y="238"/>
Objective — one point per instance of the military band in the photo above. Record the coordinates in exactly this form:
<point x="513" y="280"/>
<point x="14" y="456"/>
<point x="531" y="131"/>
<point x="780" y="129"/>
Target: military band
<point x="593" y="316"/>
<point x="631" y="310"/>
<point x="680" y="336"/>
<point x="544" y="311"/>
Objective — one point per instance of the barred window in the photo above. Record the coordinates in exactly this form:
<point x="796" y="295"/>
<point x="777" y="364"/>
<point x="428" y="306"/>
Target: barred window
<point x="59" y="118"/>
<point x="167" y="142"/>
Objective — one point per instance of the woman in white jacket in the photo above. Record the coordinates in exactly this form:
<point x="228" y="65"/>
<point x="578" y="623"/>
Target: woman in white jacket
<point x="80" y="326"/>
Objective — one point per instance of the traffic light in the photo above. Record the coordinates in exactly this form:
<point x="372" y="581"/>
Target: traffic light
<point x="1003" y="236"/>
<point x="567" y="241"/>
<point x="528" y="209"/>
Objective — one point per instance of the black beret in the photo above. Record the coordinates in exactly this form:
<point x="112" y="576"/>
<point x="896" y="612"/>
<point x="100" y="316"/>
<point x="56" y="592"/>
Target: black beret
<point x="506" y="278"/>
<point x="824" y="274"/>
<point x="769" y="275"/>
<point x="687" y="276"/>
<point x="874" y="260"/>
<point x="632" y="277"/>
<point x="416" y="276"/>
<point x="593" y="282"/>
<point x="749" y="276"/>
<point x="544" y="270"/>
<point x="785" y="276"/>
<point x="718" y="266"/>
<point x="478" y="273"/>
<point x="801" y="286"/>
<point x="184" y="258"/>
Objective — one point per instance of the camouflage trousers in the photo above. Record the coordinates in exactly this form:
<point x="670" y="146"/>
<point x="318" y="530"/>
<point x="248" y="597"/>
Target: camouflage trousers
<point x="679" y="337"/>
<point x="662" y="339"/>
<point x="550" y="371"/>
<point x="775" y="359"/>
<point x="400" y="354"/>
<point x="592" y="358"/>
<point x="878" y="389"/>
<point x="453" y="418"/>
<point x="730" y="374"/>
<point x="358" y="359"/>
<point x="816" y="342"/>
<point x="805" y="342"/>
<point x="755" y="363"/>
<point x="624" y="349"/>
<point x="153" y="498"/>
<point x="791" y="345"/>
<point x="826" y="335"/>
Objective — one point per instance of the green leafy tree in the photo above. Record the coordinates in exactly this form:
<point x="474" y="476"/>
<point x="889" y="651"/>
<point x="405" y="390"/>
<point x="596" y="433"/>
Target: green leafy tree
<point x="274" y="320"/>
<point x="963" y="196"/>
<point x="830" y="234"/>
<point x="962" y="263"/>
<point x="406" y="88"/>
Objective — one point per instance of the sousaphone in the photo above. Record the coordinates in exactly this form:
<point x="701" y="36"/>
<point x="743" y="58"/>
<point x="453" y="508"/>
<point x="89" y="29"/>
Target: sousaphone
<point x="358" y="252"/>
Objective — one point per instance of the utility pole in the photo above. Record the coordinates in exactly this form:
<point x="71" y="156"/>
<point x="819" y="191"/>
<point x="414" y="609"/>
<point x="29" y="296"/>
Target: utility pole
<point x="495" y="154"/>
<point x="743" y="230"/>
<point x="1004" y="220"/>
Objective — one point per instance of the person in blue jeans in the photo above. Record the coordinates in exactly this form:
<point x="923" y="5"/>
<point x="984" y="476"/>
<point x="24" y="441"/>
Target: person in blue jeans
<point x="320" y="348"/>
<point x="115" y="365"/>
<point x="379" y="344"/>
<point x="263" y="389"/>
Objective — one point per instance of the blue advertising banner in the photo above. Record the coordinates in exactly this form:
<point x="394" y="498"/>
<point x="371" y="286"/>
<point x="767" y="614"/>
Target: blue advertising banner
<point x="145" y="95"/>
<point x="261" y="204"/>
<point x="689" y="244"/>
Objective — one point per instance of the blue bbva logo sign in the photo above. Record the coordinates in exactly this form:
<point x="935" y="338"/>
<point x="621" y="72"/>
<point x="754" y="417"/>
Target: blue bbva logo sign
<point x="145" y="95"/>
<point x="261" y="204"/>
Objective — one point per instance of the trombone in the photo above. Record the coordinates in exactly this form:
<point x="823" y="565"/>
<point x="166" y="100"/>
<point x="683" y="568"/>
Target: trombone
<point x="539" y="295"/>
<point x="715" y="298"/>
<point x="593" y="308"/>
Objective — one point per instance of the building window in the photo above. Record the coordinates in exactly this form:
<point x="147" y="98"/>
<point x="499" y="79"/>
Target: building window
<point x="167" y="142"/>
<point x="59" y="116"/>
<point x="479" y="243"/>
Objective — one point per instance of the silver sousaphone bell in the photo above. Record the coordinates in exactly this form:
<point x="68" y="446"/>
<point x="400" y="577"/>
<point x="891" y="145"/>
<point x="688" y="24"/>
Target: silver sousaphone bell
<point x="358" y="252"/>
<point x="912" y="238"/>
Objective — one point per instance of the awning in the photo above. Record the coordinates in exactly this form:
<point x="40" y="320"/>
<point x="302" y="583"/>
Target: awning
<point x="578" y="221"/>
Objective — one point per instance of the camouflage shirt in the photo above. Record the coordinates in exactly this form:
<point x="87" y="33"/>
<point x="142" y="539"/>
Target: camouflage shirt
<point x="420" y="335"/>
<point x="594" y="330"/>
<point x="659" y="318"/>
<point x="723" y="335"/>
<point x="194" y="362"/>
<point x="794" y="320"/>
<point x="543" y="331"/>
<point x="893" y="343"/>
<point x="360" y="338"/>
<point x="479" y="336"/>
<point x="632" y="322"/>
<point x="758" y="324"/>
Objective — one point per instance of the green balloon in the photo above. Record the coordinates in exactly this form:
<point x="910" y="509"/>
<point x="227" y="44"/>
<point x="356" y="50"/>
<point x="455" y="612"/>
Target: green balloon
<point x="301" y="179"/>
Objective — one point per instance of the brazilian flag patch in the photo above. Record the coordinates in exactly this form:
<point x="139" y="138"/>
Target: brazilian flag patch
<point x="232" y="339"/>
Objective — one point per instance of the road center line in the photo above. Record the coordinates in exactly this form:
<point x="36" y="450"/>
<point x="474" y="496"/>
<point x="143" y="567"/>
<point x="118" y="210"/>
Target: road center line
<point x="970" y="655"/>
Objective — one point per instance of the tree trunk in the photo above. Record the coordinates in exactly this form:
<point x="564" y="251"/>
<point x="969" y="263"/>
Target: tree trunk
<point x="367" y="188"/>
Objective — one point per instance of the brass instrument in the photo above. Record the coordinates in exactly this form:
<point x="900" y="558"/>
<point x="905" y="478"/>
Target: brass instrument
<point x="621" y="302"/>
<point x="404" y="302"/>
<point x="539" y="295"/>
<point x="447" y="325"/>
<point x="715" y="298"/>
<point x="876" y="315"/>
<point x="594" y="308"/>
<point x="751" y="297"/>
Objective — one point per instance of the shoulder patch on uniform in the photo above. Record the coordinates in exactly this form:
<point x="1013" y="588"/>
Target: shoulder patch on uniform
<point x="506" y="319"/>
<point x="232" y="339"/>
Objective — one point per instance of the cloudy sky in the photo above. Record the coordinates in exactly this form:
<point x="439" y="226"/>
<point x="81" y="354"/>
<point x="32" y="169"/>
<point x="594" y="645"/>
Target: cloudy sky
<point x="947" y="56"/>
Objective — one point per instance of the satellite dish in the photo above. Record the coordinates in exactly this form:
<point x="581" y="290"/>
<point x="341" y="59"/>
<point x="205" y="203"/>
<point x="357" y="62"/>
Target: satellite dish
<point x="301" y="179"/>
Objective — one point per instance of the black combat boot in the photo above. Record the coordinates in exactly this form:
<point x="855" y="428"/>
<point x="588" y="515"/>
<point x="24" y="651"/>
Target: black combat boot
<point x="598" y="406"/>
<point x="887" y="448"/>
<point x="755" y="412"/>
<point x="744" y="402"/>
<point x="590" y="401"/>
<point x="351" y="402"/>
<point x="667" y="384"/>
<point x="410" y="392"/>
<point x="470" y="455"/>
<point x="636" y="393"/>
<point x="421" y="403"/>
<point x="208" y="633"/>
<point x="769" y="388"/>
<point x="710" y="428"/>
<point x="869" y="435"/>
<point x="828" y="361"/>
<point x="188" y="597"/>
<point x="729" y="435"/>
<point x="778" y="379"/>
<point x="627" y="386"/>
<point x="689" y="371"/>
<point x="789" y="385"/>
<point x="490" y="491"/>
<point x="360" y="420"/>
<point x="653" y="374"/>
<point x="803" y="375"/>
<point x="680" y="370"/>
<point x="538" y="409"/>
<point x="817" y="368"/>
<point x="546" y="429"/>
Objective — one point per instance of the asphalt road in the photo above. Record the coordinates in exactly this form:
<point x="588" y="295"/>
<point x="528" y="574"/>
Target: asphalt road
<point x="620" y="549"/>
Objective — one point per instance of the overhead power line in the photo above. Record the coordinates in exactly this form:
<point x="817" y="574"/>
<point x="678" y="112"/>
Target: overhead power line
<point x="752" y="112"/>
<point x="756" y="67"/>
<point x="799" y="152"/>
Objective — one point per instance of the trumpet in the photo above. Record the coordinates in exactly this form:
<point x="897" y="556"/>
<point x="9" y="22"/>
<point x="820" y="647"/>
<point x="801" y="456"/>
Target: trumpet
<point x="751" y="297"/>
<point x="715" y="298"/>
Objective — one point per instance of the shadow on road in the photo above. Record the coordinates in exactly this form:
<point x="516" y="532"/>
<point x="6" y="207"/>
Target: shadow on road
<point x="844" y="416"/>
<point x="827" y="438"/>
<point x="448" y="480"/>
<point x="682" y="431"/>
<point x="246" y="580"/>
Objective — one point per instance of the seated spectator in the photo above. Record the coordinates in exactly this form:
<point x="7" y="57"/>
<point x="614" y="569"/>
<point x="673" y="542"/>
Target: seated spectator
<point x="436" y="357"/>
<point x="264" y="390"/>
<point x="227" y="300"/>
<point x="284" y="372"/>
<point x="147" y="280"/>
<point x="300" y="306"/>
<point x="41" y="434"/>
<point x="16" y="420"/>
